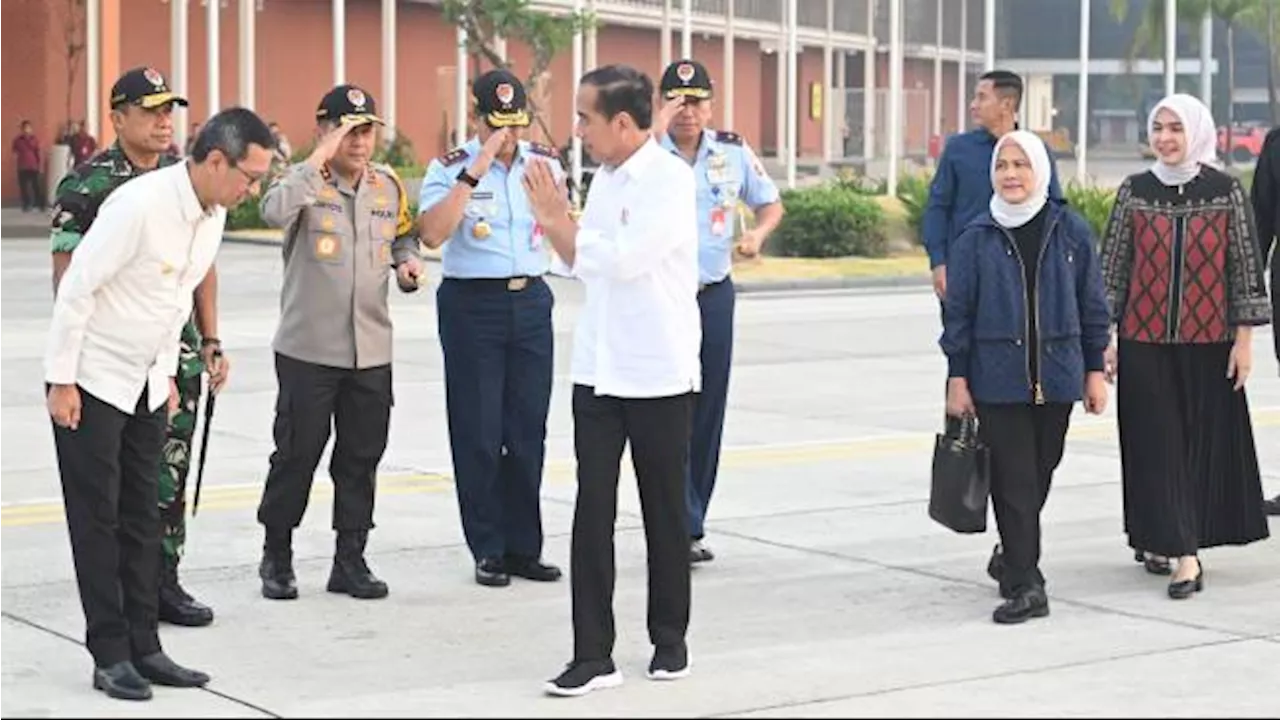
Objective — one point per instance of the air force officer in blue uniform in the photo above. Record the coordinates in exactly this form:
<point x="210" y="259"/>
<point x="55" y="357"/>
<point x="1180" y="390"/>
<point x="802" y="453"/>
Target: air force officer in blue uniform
<point x="728" y="174"/>
<point x="495" y="330"/>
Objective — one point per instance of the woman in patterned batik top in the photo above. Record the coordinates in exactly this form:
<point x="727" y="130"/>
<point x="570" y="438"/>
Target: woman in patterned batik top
<point x="1184" y="277"/>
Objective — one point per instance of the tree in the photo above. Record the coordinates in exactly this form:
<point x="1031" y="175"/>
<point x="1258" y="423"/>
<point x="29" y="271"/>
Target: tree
<point x="74" y="40"/>
<point x="545" y="34"/>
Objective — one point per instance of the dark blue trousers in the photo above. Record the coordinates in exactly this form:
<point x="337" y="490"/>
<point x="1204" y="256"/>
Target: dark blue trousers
<point x="716" y="303"/>
<point x="498" y="347"/>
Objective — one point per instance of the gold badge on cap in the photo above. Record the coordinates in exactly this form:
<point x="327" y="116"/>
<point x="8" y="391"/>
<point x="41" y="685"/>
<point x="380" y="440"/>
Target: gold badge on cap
<point x="685" y="72"/>
<point x="481" y="230"/>
<point x="357" y="98"/>
<point x="154" y="77"/>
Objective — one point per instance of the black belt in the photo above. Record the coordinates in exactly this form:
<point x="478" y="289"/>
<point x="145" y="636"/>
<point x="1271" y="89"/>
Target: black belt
<point x="707" y="286"/>
<point x="511" y="284"/>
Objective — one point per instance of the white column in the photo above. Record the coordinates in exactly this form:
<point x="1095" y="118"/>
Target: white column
<point x="936" y="104"/>
<point x="212" y="42"/>
<point x="793" y="79"/>
<point x="727" y="90"/>
<point x="1082" y="131"/>
<point x="592" y="45"/>
<point x="869" y="86"/>
<point x="248" y="48"/>
<point x="666" y="35"/>
<point x="460" y="89"/>
<point x="1170" y="46"/>
<point x="578" y="59"/>
<point x="840" y="99"/>
<point x="389" y="66"/>
<point x="339" y="41"/>
<point x="828" y="83"/>
<point x="989" y="35"/>
<point x="179" y="32"/>
<point x="1206" y="58"/>
<point x="686" y="32"/>
<point x="962" y="71"/>
<point x="895" y="93"/>
<point x="93" y="58"/>
<point x="780" y="111"/>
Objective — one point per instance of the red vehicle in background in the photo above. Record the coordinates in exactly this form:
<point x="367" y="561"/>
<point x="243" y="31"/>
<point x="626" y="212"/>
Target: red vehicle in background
<point x="1246" y="142"/>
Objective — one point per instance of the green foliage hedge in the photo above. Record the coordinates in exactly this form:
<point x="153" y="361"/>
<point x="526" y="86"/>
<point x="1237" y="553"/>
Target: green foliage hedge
<point x="830" y="221"/>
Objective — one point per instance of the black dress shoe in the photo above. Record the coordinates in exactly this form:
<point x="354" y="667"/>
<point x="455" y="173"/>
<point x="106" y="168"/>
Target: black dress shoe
<point x="995" y="571"/>
<point x="1272" y="506"/>
<point x="179" y="608"/>
<point x="122" y="681"/>
<point x="530" y="569"/>
<point x="161" y="670"/>
<point x="1183" y="589"/>
<point x="1025" y="604"/>
<point x="491" y="572"/>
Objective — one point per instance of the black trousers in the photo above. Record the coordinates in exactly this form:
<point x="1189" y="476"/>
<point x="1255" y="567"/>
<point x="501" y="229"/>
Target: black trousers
<point x="29" y="187"/>
<point x="109" y="491"/>
<point x="1026" y="443"/>
<point x="312" y="397"/>
<point x="658" y="430"/>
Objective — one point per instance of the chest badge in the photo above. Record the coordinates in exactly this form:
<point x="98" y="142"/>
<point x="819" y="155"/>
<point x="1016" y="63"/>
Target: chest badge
<point x="481" y="230"/>
<point x="326" y="247"/>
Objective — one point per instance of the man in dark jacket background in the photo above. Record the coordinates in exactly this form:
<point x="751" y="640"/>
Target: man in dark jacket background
<point x="961" y="188"/>
<point x="1266" y="209"/>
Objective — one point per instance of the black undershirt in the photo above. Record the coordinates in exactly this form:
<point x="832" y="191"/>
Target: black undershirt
<point x="1029" y="238"/>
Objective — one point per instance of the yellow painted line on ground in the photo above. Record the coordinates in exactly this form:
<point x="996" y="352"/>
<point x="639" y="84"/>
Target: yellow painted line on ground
<point x="561" y="471"/>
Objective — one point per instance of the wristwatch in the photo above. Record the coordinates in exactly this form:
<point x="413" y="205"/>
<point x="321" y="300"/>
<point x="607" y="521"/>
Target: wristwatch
<point x="467" y="178"/>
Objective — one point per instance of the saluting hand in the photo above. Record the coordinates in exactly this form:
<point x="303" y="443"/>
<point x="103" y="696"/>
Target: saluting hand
<point x="328" y="145"/>
<point x="548" y="199"/>
<point x="488" y="152"/>
<point x="666" y="114"/>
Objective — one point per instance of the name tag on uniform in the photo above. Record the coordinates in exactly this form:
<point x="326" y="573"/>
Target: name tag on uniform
<point x="717" y="220"/>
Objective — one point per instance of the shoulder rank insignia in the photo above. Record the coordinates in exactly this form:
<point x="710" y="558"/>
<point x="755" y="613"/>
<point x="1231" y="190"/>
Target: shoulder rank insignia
<point x="454" y="156"/>
<point x="546" y="150"/>
<point x="728" y="138"/>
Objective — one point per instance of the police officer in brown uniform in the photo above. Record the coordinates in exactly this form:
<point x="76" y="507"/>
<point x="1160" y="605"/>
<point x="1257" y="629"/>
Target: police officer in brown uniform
<point x="347" y="228"/>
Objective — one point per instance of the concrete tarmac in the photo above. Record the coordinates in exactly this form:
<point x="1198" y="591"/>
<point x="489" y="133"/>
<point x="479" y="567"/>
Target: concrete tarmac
<point x="833" y="594"/>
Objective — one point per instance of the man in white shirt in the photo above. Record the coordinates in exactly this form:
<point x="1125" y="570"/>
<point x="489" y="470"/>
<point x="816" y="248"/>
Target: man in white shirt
<point x="635" y="365"/>
<point x="109" y="367"/>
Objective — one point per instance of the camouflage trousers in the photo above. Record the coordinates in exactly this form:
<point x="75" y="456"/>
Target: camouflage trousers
<point x="175" y="465"/>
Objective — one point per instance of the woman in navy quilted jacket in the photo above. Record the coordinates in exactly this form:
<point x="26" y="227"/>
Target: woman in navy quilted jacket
<point x="1025" y="328"/>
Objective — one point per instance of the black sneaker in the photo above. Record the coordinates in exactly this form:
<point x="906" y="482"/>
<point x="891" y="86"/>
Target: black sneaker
<point x="670" y="662"/>
<point x="581" y="677"/>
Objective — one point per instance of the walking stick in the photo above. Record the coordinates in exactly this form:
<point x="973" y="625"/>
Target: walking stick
<point x="204" y="441"/>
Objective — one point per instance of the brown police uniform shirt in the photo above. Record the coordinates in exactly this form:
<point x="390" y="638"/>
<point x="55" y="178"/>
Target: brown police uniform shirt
<point x="341" y="245"/>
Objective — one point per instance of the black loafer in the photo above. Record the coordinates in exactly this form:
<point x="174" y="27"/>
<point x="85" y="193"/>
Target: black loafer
<point x="531" y="569"/>
<point x="491" y="572"/>
<point x="122" y="681"/>
<point x="161" y="670"/>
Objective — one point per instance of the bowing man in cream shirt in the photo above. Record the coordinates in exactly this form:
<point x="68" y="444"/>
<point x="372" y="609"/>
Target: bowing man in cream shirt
<point x="111" y="357"/>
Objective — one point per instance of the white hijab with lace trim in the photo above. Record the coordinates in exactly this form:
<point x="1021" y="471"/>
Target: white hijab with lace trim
<point x="1202" y="139"/>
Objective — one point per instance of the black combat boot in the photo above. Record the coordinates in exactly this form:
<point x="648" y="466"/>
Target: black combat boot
<point x="351" y="575"/>
<point x="276" y="570"/>
<point x="176" y="606"/>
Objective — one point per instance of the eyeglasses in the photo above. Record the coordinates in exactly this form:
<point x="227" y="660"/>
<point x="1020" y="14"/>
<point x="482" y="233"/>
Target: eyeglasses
<point x="251" y="178"/>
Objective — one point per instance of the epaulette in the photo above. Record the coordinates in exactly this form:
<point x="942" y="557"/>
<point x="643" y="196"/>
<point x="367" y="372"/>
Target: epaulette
<point x="728" y="138"/>
<point x="545" y="150"/>
<point x="454" y="156"/>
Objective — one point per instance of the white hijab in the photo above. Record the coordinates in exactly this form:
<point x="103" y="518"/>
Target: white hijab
<point x="1007" y="214"/>
<point x="1202" y="139"/>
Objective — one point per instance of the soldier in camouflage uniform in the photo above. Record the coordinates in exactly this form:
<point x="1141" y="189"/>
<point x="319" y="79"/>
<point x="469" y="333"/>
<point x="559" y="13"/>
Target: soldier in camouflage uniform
<point x="142" y="108"/>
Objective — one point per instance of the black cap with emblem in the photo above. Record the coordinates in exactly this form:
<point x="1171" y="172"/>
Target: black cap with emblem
<point x="500" y="99"/>
<point x="348" y="103"/>
<point x="688" y="78"/>
<point x="144" y="87"/>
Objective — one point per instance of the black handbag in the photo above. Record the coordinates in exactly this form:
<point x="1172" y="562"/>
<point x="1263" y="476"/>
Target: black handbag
<point x="961" y="478"/>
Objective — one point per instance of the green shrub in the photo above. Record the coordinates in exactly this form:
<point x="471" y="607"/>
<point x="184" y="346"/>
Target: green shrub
<point x="829" y="221"/>
<point x="861" y="184"/>
<point x="1092" y="203"/>
<point x="913" y="193"/>
<point x="245" y="216"/>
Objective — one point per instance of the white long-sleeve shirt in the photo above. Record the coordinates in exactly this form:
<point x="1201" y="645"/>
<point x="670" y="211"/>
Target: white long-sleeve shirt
<point x="640" y="330"/>
<point x="123" y="300"/>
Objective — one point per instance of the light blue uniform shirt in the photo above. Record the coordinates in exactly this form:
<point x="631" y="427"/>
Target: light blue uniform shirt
<point x="514" y="245"/>
<point x="727" y="171"/>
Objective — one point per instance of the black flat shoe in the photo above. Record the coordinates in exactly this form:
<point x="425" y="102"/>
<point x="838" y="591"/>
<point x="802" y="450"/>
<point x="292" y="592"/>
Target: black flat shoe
<point x="1183" y="589"/>
<point x="1024" y="605"/>
<point x="161" y="670"/>
<point x="490" y="572"/>
<point x="122" y="682"/>
<point x="530" y="569"/>
<point x="1154" y="564"/>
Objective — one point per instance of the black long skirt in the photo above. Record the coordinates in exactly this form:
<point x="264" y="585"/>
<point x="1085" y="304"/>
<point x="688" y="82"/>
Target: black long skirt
<point x="1190" y="465"/>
